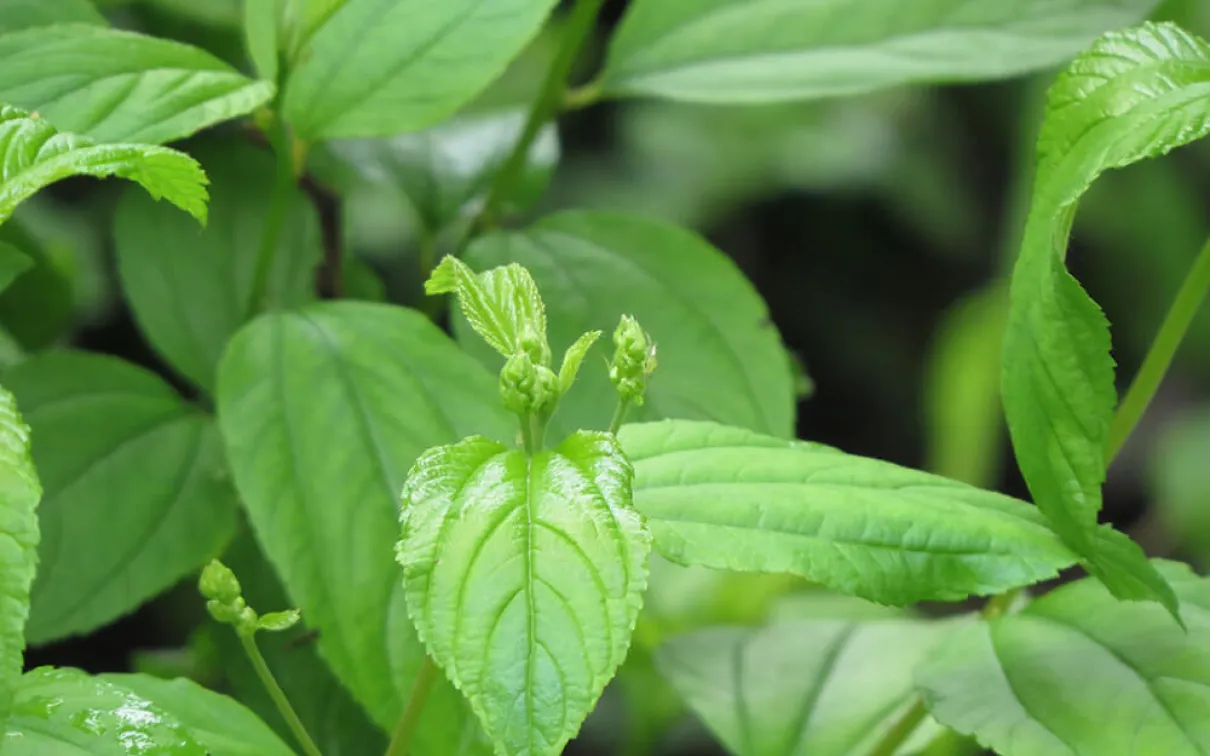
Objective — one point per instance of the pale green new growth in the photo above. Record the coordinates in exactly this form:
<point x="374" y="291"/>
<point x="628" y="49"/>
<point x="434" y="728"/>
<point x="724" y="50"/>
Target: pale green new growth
<point x="633" y="362"/>
<point x="572" y="359"/>
<point x="502" y="305"/>
<point x="34" y="155"/>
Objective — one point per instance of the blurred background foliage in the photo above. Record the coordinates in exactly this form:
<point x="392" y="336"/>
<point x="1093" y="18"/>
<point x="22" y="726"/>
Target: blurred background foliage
<point x="879" y="229"/>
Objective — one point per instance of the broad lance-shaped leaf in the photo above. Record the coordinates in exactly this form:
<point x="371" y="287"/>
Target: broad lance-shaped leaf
<point x="382" y="67"/>
<point x="525" y="576"/>
<point x="118" y="86"/>
<point x="1134" y="95"/>
<point x="1078" y="672"/>
<point x="323" y="411"/>
<point x="34" y="155"/>
<point x="137" y="492"/>
<point x="732" y="499"/>
<point x="720" y="357"/>
<point x="19" y="495"/>
<point x="745" y="51"/>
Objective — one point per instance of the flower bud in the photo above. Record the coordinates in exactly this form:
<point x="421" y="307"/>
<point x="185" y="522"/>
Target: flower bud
<point x="526" y="388"/>
<point x="219" y="583"/>
<point x="633" y="360"/>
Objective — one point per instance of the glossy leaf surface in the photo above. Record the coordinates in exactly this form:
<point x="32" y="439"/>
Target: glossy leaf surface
<point x="525" y="577"/>
<point x="1134" y="95"/>
<point x="381" y="67"/>
<point x="191" y="288"/>
<point x="749" y="51"/>
<point x="35" y="155"/>
<point x="1078" y="672"/>
<point x="20" y="492"/>
<point x="220" y="724"/>
<point x="118" y="86"/>
<point x="136" y="489"/>
<point x="323" y="412"/>
<point x="729" y="498"/>
<point x="64" y="712"/>
<point x="719" y="357"/>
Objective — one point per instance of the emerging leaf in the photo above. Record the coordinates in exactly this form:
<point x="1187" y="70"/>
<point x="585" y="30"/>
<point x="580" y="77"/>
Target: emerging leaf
<point x="502" y="305"/>
<point x="1135" y="94"/>
<point x="524" y="578"/>
<point x="572" y="359"/>
<point x="34" y="155"/>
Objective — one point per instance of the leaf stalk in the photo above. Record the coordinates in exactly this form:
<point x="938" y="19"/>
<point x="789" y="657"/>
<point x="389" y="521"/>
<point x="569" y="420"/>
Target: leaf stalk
<point x="409" y="720"/>
<point x="248" y="640"/>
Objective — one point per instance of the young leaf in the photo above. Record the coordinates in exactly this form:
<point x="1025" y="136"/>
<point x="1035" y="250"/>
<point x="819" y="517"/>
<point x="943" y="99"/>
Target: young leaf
<point x="34" y="155"/>
<point x="19" y="495"/>
<point x="749" y="51"/>
<point x="16" y="15"/>
<point x="572" y="359"/>
<point x="13" y="262"/>
<point x="64" y="711"/>
<point x="736" y="680"/>
<point x="136" y="490"/>
<point x="502" y="305"/>
<point x="731" y="499"/>
<point x="381" y="67"/>
<point x="525" y="576"/>
<point x="219" y="724"/>
<point x="1134" y="95"/>
<point x="445" y="171"/>
<point x="323" y="411"/>
<point x="1079" y="672"/>
<point x="720" y="358"/>
<point x="190" y="289"/>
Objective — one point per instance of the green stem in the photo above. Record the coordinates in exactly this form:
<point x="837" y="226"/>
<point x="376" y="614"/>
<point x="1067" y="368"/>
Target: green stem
<point x="581" y="22"/>
<point x="283" y="183"/>
<point x="903" y="728"/>
<point x="531" y="434"/>
<point x="1163" y="350"/>
<point x="619" y="416"/>
<point x="277" y="694"/>
<point x="998" y="605"/>
<point x="409" y="720"/>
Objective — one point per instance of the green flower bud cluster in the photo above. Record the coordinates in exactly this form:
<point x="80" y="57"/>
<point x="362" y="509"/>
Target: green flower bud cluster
<point x="633" y="360"/>
<point x="225" y="602"/>
<point x="528" y="388"/>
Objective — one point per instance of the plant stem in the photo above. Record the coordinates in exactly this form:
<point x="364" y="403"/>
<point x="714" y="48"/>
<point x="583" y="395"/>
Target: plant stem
<point x="529" y="434"/>
<point x="277" y="694"/>
<point x="998" y="605"/>
<point x="548" y="102"/>
<point x="619" y="416"/>
<point x="409" y="720"/>
<point x="1163" y="350"/>
<point x="283" y="182"/>
<point x="903" y="728"/>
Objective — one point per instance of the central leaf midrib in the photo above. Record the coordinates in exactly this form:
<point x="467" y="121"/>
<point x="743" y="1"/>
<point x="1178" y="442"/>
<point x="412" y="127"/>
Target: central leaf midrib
<point x="531" y="611"/>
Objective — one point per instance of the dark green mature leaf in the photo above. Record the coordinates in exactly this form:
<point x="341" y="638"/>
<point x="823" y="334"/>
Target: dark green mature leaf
<point x="1078" y="672"/>
<point x="525" y="576"/>
<point x="34" y="156"/>
<point x="118" y="86"/>
<point x="802" y="687"/>
<point x="323" y="411"/>
<point x="136" y="489"/>
<point x="732" y="499"/>
<point x="1134" y="95"/>
<point x="13" y="262"/>
<point x="747" y="51"/>
<point x="64" y="712"/>
<point x="190" y="288"/>
<point x="445" y="171"/>
<point x="24" y="14"/>
<point x="381" y="67"/>
<point x="221" y="725"/>
<point x="19" y="495"/>
<point x="719" y="357"/>
<point x="39" y="306"/>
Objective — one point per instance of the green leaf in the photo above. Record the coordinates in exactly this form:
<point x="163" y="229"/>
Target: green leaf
<point x="136" y="489"/>
<point x="19" y="495"/>
<point x="39" y="306"/>
<point x="445" y="171"/>
<point x="191" y="289"/>
<point x="573" y="358"/>
<point x="525" y="576"/>
<point x="502" y="305"/>
<point x="1078" y="672"/>
<point x="751" y="51"/>
<point x="64" y="712"/>
<point x="323" y="411"/>
<point x="300" y="19"/>
<point x="16" y="15"/>
<point x="34" y="155"/>
<point x="118" y="86"/>
<point x="720" y="358"/>
<point x="380" y="67"/>
<point x="1135" y="94"/>
<point x="1180" y="481"/>
<point x="13" y="262"/>
<point x="736" y="680"/>
<point x="221" y="725"/>
<point x="260" y="36"/>
<point x="731" y="499"/>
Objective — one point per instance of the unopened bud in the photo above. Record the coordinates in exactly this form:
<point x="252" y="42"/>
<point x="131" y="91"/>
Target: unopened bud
<point x="526" y="388"/>
<point x="219" y="583"/>
<point x="633" y="360"/>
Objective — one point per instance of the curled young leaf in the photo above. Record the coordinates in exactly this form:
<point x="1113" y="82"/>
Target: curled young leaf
<point x="502" y="305"/>
<point x="573" y="358"/>
<point x="524" y="578"/>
